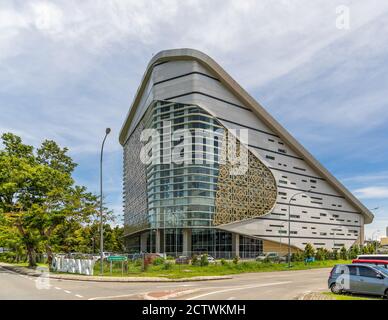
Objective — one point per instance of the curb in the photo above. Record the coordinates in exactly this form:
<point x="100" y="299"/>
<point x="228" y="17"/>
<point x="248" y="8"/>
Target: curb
<point x="34" y="273"/>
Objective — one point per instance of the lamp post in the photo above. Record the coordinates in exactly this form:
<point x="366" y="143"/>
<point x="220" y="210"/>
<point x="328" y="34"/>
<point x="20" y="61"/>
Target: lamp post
<point x="107" y="131"/>
<point x="289" y="225"/>
<point x="375" y="243"/>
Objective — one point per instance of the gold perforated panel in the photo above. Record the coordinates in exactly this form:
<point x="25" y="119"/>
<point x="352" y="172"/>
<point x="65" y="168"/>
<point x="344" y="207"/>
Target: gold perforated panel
<point x="241" y="197"/>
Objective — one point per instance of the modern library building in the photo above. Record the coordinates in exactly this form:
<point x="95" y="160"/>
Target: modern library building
<point x="208" y="170"/>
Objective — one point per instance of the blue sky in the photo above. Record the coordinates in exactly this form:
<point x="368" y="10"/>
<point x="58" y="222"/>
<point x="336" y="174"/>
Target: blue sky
<point x="69" y="68"/>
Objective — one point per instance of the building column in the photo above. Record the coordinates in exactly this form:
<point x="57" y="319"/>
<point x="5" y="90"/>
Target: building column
<point x="143" y="241"/>
<point x="362" y="231"/>
<point x="157" y="241"/>
<point x="187" y="242"/>
<point x="235" y="245"/>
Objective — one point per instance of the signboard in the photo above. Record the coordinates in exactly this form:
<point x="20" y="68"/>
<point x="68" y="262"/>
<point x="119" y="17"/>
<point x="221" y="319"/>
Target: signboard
<point x="117" y="258"/>
<point x="73" y="265"/>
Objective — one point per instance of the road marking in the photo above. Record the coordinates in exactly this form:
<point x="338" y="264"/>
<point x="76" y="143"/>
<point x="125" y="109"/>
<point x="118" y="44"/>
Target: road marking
<point x="58" y="288"/>
<point x="114" y="297"/>
<point x="231" y="298"/>
<point x="67" y="291"/>
<point x="79" y="296"/>
<point x="240" y="288"/>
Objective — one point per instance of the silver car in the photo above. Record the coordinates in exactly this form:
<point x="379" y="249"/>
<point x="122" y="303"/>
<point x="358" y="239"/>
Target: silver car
<point x="359" y="278"/>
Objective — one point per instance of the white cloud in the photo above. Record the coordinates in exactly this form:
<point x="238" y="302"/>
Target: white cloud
<point x="372" y="192"/>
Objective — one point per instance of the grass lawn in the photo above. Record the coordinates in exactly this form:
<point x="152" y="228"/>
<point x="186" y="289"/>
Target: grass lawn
<point x="349" y="296"/>
<point x="187" y="271"/>
<point x="25" y="264"/>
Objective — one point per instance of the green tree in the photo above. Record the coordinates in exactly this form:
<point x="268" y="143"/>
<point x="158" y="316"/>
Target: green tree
<point x="309" y="251"/>
<point x="38" y="194"/>
<point x="343" y="253"/>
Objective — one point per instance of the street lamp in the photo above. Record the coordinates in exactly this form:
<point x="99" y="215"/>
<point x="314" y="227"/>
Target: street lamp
<point x="373" y="236"/>
<point x="107" y="131"/>
<point x="289" y="224"/>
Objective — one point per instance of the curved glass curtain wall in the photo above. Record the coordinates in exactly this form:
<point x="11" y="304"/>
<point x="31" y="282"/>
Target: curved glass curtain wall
<point x="183" y="195"/>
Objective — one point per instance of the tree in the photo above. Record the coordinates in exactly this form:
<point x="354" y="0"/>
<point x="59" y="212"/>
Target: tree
<point x="17" y="168"/>
<point x="354" y="251"/>
<point x="344" y="253"/>
<point x="309" y="251"/>
<point x="38" y="194"/>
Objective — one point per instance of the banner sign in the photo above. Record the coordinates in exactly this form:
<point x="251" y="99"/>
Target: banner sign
<point x="80" y="266"/>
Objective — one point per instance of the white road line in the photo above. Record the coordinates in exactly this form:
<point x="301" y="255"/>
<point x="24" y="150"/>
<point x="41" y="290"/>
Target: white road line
<point x="67" y="291"/>
<point x="114" y="297"/>
<point x="240" y="288"/>
<point x="58" y="288"/>
<point x="79" y="296"/>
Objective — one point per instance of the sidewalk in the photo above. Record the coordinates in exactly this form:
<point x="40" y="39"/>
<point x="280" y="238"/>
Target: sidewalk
<point x="39" y="272"/>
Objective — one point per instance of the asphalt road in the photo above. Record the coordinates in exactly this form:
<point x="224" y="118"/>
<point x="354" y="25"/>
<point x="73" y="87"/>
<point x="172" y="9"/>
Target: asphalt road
<point x="284" y="285"/>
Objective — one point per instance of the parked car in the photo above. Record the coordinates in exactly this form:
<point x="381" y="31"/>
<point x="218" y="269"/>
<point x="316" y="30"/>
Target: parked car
<point x="378" y="263"/>
<point x="359" y="278"/>
<point x="270" y="256"/>
<point x="182" y="260"/>
<point x="210" y="259"/>
<point x="373" y="257"/>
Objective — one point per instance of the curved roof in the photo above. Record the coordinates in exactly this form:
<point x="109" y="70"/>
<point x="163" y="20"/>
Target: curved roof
<point x="259" y="111"/>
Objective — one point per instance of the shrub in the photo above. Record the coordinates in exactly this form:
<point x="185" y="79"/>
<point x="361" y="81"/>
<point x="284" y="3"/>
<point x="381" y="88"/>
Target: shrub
<point x="223" y="262"/>
<point x="335" y="255"/>
<point x="309" y="251"/>
<point x="204" y="261"/>
<point x="194" y="260"/>
<point x="297" y="256"/>
<point x="354" y="251"/>
<point x="236" y="259"/>
<point x="343" y="253"/>
<point x="321" y="254"/>
<point x="158" y="261"/>
<point x="167" y="266"/>
<point x="138" y="262"/>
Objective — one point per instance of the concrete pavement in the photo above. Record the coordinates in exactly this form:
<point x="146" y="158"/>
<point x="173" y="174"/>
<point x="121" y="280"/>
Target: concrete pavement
<point x="285" y="285"/>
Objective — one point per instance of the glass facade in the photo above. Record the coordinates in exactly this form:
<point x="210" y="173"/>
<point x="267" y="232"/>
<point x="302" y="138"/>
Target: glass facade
<point x="182" y="195"/>
<point x="175" y="190"/>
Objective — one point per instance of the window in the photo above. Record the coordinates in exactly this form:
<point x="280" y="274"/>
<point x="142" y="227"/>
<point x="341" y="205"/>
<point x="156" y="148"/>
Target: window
<point x="270" y="157"/>
<point x="271" y="140"/>
<point x="301" y="169"/>
<point x="282" y="150"/>
<point x="367" y="272"/>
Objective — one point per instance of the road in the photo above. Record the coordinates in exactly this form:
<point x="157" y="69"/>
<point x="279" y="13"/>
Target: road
<point x="284" y="285"/>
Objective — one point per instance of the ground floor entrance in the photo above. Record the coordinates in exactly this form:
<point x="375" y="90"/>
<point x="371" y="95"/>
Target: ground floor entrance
<point x="176" y="242"/>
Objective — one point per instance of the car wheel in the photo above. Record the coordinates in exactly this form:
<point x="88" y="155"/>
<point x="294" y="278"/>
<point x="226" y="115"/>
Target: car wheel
<point x="386" y="294"/>
<point x="336" y="288"/>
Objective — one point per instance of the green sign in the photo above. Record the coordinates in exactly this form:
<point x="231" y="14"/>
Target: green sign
<point x="117" y="258"/>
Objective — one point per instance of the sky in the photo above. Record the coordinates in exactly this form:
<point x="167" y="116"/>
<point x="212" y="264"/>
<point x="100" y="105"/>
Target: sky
<point x="69" y="69"/>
